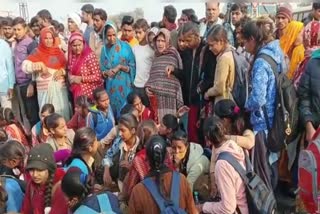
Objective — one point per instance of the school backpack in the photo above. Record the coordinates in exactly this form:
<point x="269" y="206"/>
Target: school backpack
<point x="286" y="116"/>
<point x="166" y="206"/>
<point x="260" y="198"/>
<point x="240" y="87"/>
<point x="309" y="176"/>
<point x="103" y="203"/>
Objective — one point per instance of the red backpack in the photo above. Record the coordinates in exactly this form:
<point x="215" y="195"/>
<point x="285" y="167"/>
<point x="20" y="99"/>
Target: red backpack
<point x="309" y="176"/>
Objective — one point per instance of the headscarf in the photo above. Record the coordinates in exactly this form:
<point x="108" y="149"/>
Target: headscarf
<point x="75" y="62"/>
<point x="52" y="57"/>
<point x="153" y="30"/>
<point x="311" y="37"/>
<point x="287" y="44"/>
<point x="76" y="18"/>
<point x="169" y="49"/>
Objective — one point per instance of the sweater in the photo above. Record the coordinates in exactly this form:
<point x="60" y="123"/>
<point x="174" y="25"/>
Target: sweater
<point x="230" y="184"/>
<point x="7" y="79"/>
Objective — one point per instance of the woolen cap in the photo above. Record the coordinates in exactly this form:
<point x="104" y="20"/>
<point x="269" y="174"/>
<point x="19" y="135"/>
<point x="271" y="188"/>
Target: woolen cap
<point x="286" y="11"/>
<point x="41" y="157"/>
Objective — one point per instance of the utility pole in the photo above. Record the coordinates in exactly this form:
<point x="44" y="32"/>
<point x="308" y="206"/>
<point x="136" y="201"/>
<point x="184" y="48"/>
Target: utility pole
<point x="23" y="9"/>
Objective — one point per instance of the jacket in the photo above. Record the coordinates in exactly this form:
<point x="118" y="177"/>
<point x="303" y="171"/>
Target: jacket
<point x="197" y="164"/>
<point x="309" y="92"/>
<point x="21" y="51"/>
<point x="193" y="71"/>
<point x="230" y="185"/>
<point x="263" y="82"/>
<point x="224" y="76"/>
<point x="7" y="79"/>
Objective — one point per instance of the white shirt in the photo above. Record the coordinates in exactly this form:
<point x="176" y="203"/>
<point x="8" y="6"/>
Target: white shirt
<point x="144" y="57"/>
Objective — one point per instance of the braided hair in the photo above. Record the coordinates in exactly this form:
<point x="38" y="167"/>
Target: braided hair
<point x="48" y="193"/>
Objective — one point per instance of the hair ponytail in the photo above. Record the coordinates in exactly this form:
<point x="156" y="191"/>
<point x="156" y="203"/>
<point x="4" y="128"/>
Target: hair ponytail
<point x="48" y="194"/>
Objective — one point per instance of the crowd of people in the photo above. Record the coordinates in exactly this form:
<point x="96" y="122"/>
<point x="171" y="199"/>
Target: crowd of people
<point x="139" y="118"/>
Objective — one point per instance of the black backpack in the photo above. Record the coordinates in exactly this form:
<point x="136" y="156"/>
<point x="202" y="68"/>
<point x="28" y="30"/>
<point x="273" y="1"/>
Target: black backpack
<point x="260" y="198"/>
<point x="285" y="122"/>
<point x="240" y="86"/>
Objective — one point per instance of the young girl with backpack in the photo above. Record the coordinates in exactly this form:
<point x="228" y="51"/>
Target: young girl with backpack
<point x="39" y="132"/>
<point x="167" y="184"/>
<point x="76" y="187"/>
<point x="44" y="176"/>
<point x="78" y="120"/>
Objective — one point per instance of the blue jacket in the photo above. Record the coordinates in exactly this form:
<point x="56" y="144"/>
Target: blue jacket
<point x="15" y="195"/>
<point x="7" y="73"/>
<point x="264" y="86"/>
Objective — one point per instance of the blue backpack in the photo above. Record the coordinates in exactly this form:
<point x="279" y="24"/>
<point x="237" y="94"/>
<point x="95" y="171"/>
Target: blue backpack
<point x="104" y="204"/>
<point x="166" y="206"/>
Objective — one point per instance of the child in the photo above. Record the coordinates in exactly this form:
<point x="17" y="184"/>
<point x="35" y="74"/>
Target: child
<point x="40" y="197"/>
<point x="11" y="161"/>
<point x="102" y="119"/>
<point x="144" y="112"/>
<point x="76" y="188"/>
<point x="82" y="105"/>
<point x="38" y="132"/>
<point x="61" y="138"/>
<point x="126" y="148"/>
<point x="13" y="128"/>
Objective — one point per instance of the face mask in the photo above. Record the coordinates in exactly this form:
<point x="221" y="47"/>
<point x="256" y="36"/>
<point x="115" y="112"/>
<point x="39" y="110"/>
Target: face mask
<point x="180" y="155"/>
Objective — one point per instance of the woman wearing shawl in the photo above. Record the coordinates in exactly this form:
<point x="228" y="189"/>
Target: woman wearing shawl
<point x="164" y="91"/>
<point x="47" y="64"/>
<point x="118" y="67"/>
<point x="83" y="65"/>
<point x="311" y="41"/>
<point x="292" y="45"/>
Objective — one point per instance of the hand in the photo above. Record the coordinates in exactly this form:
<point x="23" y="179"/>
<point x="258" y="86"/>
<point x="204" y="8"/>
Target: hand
<point x="214" y="190"/>
<point x="125" y="164"/>
<point x="149" y="92"/>
<point x="107" y="177"/>
<point x="37" y="66"/>
<point x="77" y="79"/>
<point x="182" y="110"/>
<point x="108" y="74"/>
<point x="310" y="131"/>
<point x="58" y="74"/>
<point x="169" y="70"/>
<point x="206" y="97"/>
<point x="10" y="93"/>
<point x="30" y="90"/>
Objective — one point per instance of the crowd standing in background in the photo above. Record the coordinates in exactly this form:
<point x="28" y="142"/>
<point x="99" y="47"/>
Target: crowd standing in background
<point x="186" y="115"/>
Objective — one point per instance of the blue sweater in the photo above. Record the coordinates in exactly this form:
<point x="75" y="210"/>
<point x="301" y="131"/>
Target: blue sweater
<point x="7" y="73"/>
<point x="264" y="86"/>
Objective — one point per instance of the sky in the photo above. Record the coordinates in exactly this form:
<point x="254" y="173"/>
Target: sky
<point x="153" y="9"/>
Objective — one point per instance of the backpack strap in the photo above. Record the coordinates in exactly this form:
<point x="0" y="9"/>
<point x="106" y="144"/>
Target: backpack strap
<point x="84" y="209"/>
<point x="104" y="203"/>
<point x="226" y="156"/>
<point x="153" y="189"/>
<point x="175" y="189"/>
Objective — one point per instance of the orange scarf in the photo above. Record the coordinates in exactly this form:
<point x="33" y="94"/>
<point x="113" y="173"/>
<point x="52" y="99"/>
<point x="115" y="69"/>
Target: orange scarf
<point x="287" y="44"/>
<point x="52" y="57"/>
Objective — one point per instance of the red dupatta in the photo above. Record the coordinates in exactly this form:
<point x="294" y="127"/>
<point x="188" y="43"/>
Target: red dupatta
<point x="76" y="61"/>
<point x="52" y="57"/>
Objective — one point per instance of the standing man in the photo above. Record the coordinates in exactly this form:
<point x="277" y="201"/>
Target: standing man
<point x="314" y="15"/>
<point x="99" y="20"/>
<point x="169" y="18"/>
<point x="283" y="17"/>
<point x="127" y="31"/>
<point x="7" y="79"/>
<point x="238" y="11"/>
<point x="7" y="28"/>
<point x="26" y="99"/>
<point x="212" y="19"/>
<point x="44" y="18"/>
<point x="35" y="28"/>
<point x="74" y="22"/>
<point x="87" y="17"/>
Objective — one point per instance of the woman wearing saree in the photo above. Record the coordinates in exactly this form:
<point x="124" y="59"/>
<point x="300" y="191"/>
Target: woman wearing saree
<point x="47" y="64"/>
<point x="83" y="65"/>
<point x="292" y="45"/>
<point x="118" y="67"/>
<point x="164" y="91"/>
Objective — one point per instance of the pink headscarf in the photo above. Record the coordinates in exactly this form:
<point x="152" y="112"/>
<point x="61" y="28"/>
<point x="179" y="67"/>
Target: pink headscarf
<point x="311" y="37"/>
<point x="75" y="61"/>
